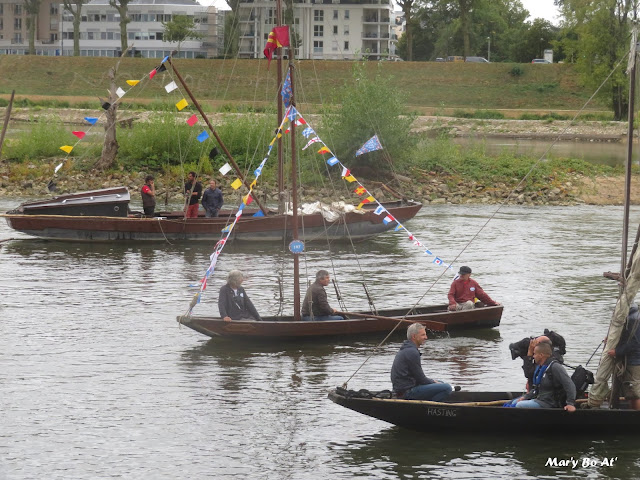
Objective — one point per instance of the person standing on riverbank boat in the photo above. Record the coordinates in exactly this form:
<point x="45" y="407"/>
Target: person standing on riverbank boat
<point x="148" y="193"/>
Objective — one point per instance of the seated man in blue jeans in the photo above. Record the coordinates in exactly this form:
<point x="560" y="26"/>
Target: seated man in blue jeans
<point x="315" y="306"/>
<point x="408" y="379"/>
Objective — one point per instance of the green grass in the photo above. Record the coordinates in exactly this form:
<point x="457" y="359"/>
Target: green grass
<point x="237" y="85"/>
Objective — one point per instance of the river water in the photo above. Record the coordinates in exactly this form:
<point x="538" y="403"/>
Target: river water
<point x="97" y="380"/>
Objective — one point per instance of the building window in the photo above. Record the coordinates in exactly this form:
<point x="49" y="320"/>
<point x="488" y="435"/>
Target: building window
<point x="318" y="31"/>
<point x="53" y="9"/>
<point x="17" y="9"/>
<point x="346" y="45"/>
<point x="17" y="24"/>
<point x="1" y="23"/>
<point x="346" y="14"/>
<point x="346" y="29"/>
<point x="335" y="14"/>
<point x="1" y="8"/>
<point x="335" y="29"/>
<point x="318" y="15"/>
<point x="317" y="46"/>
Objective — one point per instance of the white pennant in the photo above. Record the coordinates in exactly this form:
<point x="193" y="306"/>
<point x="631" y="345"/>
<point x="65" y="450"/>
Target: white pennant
<point x="225" y="169"/>
<point x="170" y="87"/>
<point x="120" y="92"/>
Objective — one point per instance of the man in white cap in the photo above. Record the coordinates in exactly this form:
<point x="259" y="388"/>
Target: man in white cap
<point x="464" y="292"/>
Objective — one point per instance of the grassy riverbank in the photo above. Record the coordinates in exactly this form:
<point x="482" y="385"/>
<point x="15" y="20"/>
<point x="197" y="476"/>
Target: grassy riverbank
<point x="430" y="87"/>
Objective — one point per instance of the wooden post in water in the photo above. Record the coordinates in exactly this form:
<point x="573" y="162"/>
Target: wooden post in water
<point x="7" y="115"/>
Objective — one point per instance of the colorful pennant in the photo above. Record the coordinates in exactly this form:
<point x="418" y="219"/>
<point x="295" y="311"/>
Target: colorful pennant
<point x="226" y="168"/>
<point x="182" y="104"/>
<point x="66" y="148"/>
<point x="203" y="136"/>
<point x="80" y="135"/>
<point x="192" y="120"/>
<point x="133" y="83"/>
<point x="170" y="87"/>
<point x="237" y="183"/>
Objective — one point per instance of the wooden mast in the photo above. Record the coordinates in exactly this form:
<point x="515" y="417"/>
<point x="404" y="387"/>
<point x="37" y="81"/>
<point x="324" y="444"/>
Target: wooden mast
<point x="215" y="134"/>
<point x="279" y="119"/>
<point x="294" y="195"/>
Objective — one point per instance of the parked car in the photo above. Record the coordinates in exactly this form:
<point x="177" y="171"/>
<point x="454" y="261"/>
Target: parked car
<point x="540" y="60"/>
<point x="477" y="60"/>
<point x="439" y="59"/>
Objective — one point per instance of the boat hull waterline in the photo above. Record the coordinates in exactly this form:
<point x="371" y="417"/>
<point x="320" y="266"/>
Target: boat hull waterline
<point x="436" y="417"/>
<point x="435" y="318"/>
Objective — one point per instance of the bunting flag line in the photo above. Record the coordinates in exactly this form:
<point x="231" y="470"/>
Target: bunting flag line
<point x="388" y="219"/>
<point x="324" y="150"/>
<point x="369" y="199"/>
<point x="379" y="209"/>
<point x="182" y="104"/>
<point x="170" y="87"/>
<point x="311" y="142"/>
<point x="360" y="190"/>
<point x="237" y="183"/>
<point x="307" y="132"/>
<point x="91" y="120"/>
<point x="332" y="161"/>
<point x="286" y="91"/>
<point x="80" y="135"/>
<point x="226" y="168"/>
<point x="66" y="148"/>
<point x="133" y="83"/>
<point x="192" y="120"/>
<point x="152" y="73"/>
<point x="370" y="145"/>
<point x="203" y="136"/>
<point x="247" y="200"/>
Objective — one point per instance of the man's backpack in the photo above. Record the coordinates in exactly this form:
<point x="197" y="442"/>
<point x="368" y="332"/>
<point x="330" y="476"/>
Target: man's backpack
<point x="582" y="378"/>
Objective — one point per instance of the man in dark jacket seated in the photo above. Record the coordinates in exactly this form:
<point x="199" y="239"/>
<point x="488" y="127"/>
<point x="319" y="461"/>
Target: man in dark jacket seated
<point x="233" y="301"/>
<point x="315" y="306"/>
<point x="552" y="386"/>
<point x="408" y="379"/>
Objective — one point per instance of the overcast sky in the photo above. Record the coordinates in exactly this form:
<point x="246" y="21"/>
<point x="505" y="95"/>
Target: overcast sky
<point x="537" y="8"/>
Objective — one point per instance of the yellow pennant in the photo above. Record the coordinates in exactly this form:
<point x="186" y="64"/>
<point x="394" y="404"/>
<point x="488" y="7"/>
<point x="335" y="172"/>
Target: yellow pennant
<point x="324" y="150"/>
<point x="254" y="183"/>
<point x="133" y="83"/>
<point x="66" y="148"/>
<point x="350" y="178"/>
<point x="237" y="183"/>
<point x="181" y="104"/>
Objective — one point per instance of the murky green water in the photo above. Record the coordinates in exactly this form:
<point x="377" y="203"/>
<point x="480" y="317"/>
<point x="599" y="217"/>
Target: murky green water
<point x="97" y="380"/>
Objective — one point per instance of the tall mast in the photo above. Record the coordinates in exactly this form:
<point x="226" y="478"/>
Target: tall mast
<point x="215" y="134"/>
<point x="294" y="195"/>
<point x="279" y="119"/>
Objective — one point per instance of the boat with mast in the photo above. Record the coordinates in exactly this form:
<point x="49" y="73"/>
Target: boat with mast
<point x="436" y="318"/>
<point x="602" y="410"/>
<point x="105" y="215"/>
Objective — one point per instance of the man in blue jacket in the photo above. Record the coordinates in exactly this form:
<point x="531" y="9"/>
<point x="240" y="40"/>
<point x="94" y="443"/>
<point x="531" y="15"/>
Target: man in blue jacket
<point x="629" y="349"/>
<point x="408" y="379"/>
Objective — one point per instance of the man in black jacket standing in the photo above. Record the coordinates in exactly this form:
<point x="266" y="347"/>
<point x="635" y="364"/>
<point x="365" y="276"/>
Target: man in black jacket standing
<point x="408" y="379"/>
<point x="628" y="349"/>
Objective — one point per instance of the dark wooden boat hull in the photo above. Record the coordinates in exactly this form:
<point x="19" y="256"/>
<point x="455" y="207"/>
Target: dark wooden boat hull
<point x="172" y="226"/>
<point x="427" y="417"/>
<point x="434" y="318"/>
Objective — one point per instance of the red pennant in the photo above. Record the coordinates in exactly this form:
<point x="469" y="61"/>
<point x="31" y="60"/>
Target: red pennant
<point x="152" y="73"/>
<point x="192" y="120"/>
<point x="80" y="135"/>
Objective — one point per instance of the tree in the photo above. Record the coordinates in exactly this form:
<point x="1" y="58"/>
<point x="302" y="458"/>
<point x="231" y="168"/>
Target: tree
<point x="32" y="7"/>
<point x="602" y="28"/>
<point x="76" y="13"/>
<point x="181" y="28"/>
<point x="122" y="6"/>
<point x="407" y="7"/>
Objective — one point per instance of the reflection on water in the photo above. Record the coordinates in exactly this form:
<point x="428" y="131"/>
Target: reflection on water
<point x="96" y="375"/>
<point x="602" y="153"/>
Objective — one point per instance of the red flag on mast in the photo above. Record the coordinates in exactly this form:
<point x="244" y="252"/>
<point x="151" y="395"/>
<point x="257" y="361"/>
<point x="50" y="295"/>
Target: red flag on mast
<point x="278" y="37"/>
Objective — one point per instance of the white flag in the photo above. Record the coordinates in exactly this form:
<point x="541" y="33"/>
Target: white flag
<point x="58" y="168"/>
<point x="120" y="92"/>
<point x="170" y="87"/>
<point x="226" y="168"/>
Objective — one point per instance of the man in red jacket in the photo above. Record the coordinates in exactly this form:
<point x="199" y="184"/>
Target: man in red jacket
<point x="464" y="291"/>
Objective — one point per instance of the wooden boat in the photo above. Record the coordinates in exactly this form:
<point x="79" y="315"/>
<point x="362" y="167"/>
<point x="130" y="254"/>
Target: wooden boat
<point x="482" y="412"/>
<point x="435" y="318"/>
<point x="104" y="215"/>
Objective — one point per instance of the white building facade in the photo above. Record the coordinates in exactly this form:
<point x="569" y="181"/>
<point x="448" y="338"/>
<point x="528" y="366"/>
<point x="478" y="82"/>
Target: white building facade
<point x="326" y="29"/>
<point x="100" y="29"/>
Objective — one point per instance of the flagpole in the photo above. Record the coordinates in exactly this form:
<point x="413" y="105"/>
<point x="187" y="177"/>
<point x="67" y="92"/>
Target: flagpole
<point x="294" y="194"/>
<point x="215" y="134"/>
<point x="280" y="155"/>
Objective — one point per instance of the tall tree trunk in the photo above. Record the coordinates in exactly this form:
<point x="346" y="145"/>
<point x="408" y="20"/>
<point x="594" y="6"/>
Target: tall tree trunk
<point x="110" y="145"/>
<point x="76" y="33"/>
<point x="124" y="45"/>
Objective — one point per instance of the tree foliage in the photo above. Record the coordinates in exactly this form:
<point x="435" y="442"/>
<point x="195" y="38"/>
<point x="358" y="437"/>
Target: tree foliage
<point x="370" y="104"/>
<point x="181" y="28"/>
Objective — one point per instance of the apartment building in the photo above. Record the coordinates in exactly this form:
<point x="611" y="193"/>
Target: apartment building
<point x="327" y="29"/>
<point x="100" y="29"/>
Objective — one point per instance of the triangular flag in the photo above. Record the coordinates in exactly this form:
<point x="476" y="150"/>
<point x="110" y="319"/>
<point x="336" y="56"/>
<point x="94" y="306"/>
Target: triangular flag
<point x="379" y="210"/>
<point x="106" y="105"/>
<point x="369" y="199"/>
<point x="225" y="169"/>
<point x="120" y="92"/>
<point x="152" y="73"/>
<point x="181" y="104"/>
<point x="58" y="167"/>
<point x="80" y="135"/>
<point x="133" y="83"/>
<point x="161" y="68"/>
<point x="247" y="200"/>
<point x="350" y="178"/>
<point x="258" y="214"/>
<point x="324" y="150"/>
<point x="91" y="120"/>
<point x="203" y="136"/>
<point x="66" y="148"/>
<point x="170" y="87"/>
<point x="192" y="120"/>
<point x="237" y="183"/>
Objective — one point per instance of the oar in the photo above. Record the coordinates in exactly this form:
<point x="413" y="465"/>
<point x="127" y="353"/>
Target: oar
<point x="430" y="324"/>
